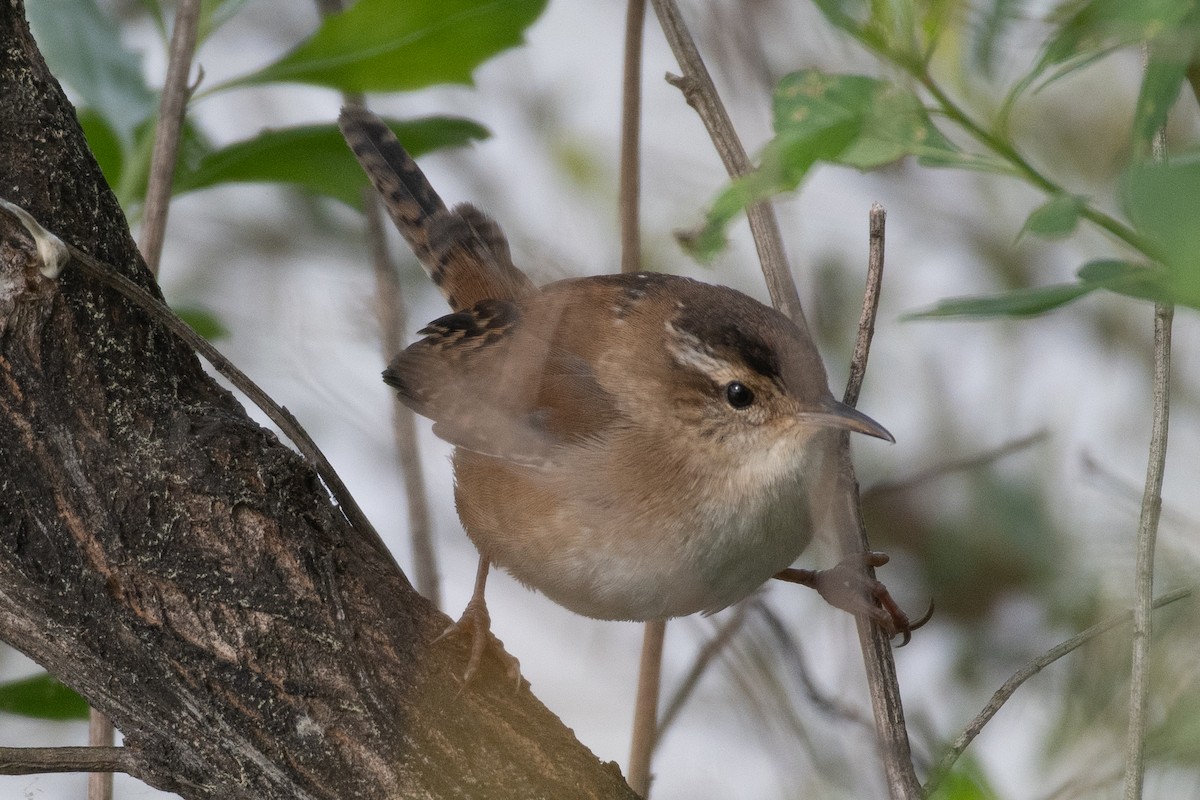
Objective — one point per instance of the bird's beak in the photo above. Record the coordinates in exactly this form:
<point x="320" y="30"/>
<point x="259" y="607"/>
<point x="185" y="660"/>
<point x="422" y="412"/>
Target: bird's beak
<point x="839" y="415"/>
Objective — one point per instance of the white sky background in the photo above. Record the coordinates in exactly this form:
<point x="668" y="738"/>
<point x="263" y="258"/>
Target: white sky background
<point x="298" y="301"/>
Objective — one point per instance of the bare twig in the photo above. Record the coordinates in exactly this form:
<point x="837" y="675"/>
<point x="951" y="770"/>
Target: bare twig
<point x="646" y="707"/>
<point x="1010" y="686"/>
<point x="701" y="94"/>
<point x="1139" y="688"/>
<point x="176" y="92"/>
<point x="645" y="734"/>
<point x="34" y="760"/>
<point x="870" y="306"/>
<point x="1147" y="534"/>
<point x="956" y="465"/>
<point x="882" y="684"/>
<point x="101" y="736"/>
<point x="631" y="118"/>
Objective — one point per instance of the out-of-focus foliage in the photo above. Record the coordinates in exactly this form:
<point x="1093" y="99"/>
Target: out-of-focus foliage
<point x="43" y="697"/>
<point x="315" y="157"/>
<point x="868" y="122"/>
<point x="375" y="45"/>
<point x="385" y="46"/>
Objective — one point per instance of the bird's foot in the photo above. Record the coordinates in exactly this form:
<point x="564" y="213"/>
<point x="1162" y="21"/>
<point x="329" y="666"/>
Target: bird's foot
<point x="850" y="587"/>
<point x="477" y="623"/>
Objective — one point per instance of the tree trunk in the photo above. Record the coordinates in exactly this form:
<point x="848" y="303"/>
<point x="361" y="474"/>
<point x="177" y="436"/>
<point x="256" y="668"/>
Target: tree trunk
<point x="186" y="573"/>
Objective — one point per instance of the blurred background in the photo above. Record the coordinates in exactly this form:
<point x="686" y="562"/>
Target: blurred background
<point x="1011" y="496"/>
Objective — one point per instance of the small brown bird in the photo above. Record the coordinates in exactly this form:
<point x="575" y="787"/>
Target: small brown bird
<point x="634" y="446"/>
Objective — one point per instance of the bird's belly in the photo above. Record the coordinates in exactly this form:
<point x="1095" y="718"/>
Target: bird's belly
<point x="613" y="563"/>
<point x="698" y="570"/>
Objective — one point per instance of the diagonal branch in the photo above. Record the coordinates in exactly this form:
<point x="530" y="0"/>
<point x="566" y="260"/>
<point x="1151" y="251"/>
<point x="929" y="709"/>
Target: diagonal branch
<point x="1005" y="692"/>
<point x="697" y="86"/>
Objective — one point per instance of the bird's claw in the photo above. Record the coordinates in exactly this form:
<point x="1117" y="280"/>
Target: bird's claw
<point x="850" y="587"/>
<point x="476" y="622"/>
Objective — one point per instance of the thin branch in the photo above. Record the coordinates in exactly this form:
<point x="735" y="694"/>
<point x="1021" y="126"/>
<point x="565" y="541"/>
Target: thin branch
<point x="1010" y="686"/>
<point x="101" y="735"/>
<point x="877" y="223"/>
<point x="36" y="760"/>
<point x="631" y="118"/>
<point x="957" y="465"/>
<point x="646" y="732"/>
<point x="167" y="132"/>
<point x="1147" y="535"/>
<point x="645" y="720"/>
<point x="697" y="87"/>
<point x="882" y="684"/>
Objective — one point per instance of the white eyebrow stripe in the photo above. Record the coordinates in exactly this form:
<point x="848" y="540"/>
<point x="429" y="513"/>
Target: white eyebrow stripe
<point x="688" y="351"/>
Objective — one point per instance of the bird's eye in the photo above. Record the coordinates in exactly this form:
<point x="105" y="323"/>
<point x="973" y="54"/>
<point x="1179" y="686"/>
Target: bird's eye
<point x="738" y="394"/>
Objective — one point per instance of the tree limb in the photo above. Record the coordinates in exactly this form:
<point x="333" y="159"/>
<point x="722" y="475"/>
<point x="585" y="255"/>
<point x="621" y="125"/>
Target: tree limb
<point x="187" y="574"/>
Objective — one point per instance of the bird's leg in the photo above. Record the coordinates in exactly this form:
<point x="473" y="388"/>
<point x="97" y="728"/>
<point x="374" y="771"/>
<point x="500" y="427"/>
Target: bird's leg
<point x="848" y="587"/>
<point x="476" y="621"/>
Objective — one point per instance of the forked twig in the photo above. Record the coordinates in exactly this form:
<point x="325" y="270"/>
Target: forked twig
<point x="882" y="684"/>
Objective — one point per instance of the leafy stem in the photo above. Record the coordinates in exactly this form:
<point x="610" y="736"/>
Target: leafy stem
<point x="1009" y="153"/>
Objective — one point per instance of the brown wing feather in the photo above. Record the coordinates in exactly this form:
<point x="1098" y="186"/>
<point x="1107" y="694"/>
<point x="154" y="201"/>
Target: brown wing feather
<point x="492" y="383"/>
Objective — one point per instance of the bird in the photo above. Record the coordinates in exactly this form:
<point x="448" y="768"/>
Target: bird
<point x="634" y="446"/>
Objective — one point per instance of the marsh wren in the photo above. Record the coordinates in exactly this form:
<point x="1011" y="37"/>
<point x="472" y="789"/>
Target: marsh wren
<point x="634" y="446"/>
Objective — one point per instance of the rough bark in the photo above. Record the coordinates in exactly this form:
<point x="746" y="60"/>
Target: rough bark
<point x="188" y="574"/>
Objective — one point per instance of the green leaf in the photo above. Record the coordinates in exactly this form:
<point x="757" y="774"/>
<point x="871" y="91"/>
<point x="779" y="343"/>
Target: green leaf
<point x="386" y="46"/>
<point x="1163" y="202"/>
<point x="966" y="781"/>
<point x="104" y="144"/>
<point x="316" y="157"/>
<point x="1017" y="303"/>
<point x="1122" y="277"/>
<point x="202" y="321"/>
<point x="854" y="120"/>
<point x="1127" y="278"/>
<point x="1055" y="219"/>
<point x="1170" y="55"/>
<point x="891" y="120"/>
<point x="785" y="161"/>
<point x="43" y="697"/>
<point x="1096" y="27"/>
<point x="83" y="48"/>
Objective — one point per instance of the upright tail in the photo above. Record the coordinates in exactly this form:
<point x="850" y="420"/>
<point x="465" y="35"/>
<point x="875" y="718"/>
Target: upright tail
<point x="463" y="251"/>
